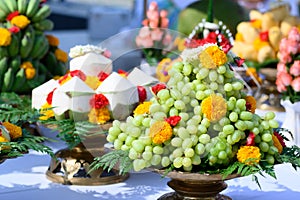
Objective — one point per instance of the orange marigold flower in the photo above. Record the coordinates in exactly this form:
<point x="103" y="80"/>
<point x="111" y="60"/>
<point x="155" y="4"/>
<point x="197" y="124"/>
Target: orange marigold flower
<point x="53" y="41"/>
<point x="212" y="57"/>
<point x="277" y="144"/>
<point x="26" y="65"/>
<point x="99" y="116"/>
<point x="5" y="37"/>
<point x="160" y="132"/>
<point x="3" y="139"/>
<point x="250" y="103"/>
<point x="14" y="130"/>
<point x="248" y="155"/>
<point x="214" y="107"/>
<point x="46" y="112"/>
<point x="61" y="55"/>
<point x="20" y="21"/>
<point x="142" y="108"/>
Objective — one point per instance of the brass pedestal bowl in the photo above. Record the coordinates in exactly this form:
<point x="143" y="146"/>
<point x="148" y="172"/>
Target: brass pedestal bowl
<point x="194" y="186"/>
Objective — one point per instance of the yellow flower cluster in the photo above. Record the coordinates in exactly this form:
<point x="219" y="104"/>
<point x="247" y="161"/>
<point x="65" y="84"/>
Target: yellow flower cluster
<point x="20" y="21"/>
<point x="29" y="69"/>
<point x="14" y="130"/>
<point x="93" y="82"/>
<point x="248" y="155"/>
<point x="5" y="37"/>
<point x="46" y="112"/>
<point x="258" y="44"/>
<point x="214" y="107"/>
<point x="160" y="132"/>
<point x="61" y="55"/>
<point x="53" y="41"/>
<point x="99" y="116"/>
<point x="212" y="57"/>
<point x="142" y="108"/>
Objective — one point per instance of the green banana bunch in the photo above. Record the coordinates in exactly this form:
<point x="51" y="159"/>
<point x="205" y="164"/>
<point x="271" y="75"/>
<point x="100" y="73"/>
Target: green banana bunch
<point x="3" y="68"/>
<point x="42" y="13"/>
<point x="32" y="8"/>
<point x="13" y="48"/>
<point x="15" y="63"/>
<point x="8" y="80"/>
<point x="22" y="6"/>
<point x="40" y="44"/>
<point x="61" y="68"/>
<point x="44" y="25"/>
<point x="50" y="62"/>
<point x="27" y="42"/>
<point x="19" y="80"/>
<point x="3" y="52"/>
<point x="11" y="5"/>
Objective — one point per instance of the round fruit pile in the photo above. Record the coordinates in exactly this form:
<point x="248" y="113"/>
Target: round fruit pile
<point x="200" y="118"/>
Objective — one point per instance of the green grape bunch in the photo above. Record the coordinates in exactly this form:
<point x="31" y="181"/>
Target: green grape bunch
<point x="28" y="57"/>
<point x="201" y="118"/>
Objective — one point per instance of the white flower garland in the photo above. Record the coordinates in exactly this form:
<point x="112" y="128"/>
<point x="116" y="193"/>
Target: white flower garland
<point x="80" y="50"/>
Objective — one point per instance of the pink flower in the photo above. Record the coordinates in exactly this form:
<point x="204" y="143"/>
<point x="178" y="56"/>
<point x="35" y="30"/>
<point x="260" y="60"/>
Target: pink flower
<point x="294" y="35"/>
<point x="152" y="15"/>
<point x="280" y="86"/>
<point x="281" y="67"/>
<point x="167" y="39"/>
<point x="144" y="32"/>
<point x="145" y="42"/>
<point x="164" y="23"/>
<point x="295" y="68"/>
<point x="292" y="47"/>
<point x="154" y="23"/>
<point x="296" y="84"/>
<point x="285" y="57"/>
<point x="163" y="13"/>
<point x="107" y="53"/>
<point x="153" y="6"/>
<point x="156" y="34"/>
<point x="285" y="78"/>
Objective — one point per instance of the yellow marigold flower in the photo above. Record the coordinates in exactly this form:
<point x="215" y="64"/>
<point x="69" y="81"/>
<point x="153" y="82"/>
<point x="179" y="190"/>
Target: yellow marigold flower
<point x="256" y="23"/>
<point x="3" y="139"/>
<point x="277" y="144"/>
<point x="160" y="132"/>
<point x="258" y="43"/>
<point x="14" y="131"/>
<point x="212" y="57"/>
<point x="179" y="42"/>
<point x="61" y="55"/>
<point x="26" y="65"/>
<point x="20" y="21"/>
<point x="239" y="37"/>
<point x="30" y="73"/>
<point x="250" y="103"/>
<point x="93" y="82"/>
<point x="5" y="37"/>
<point x="142" y="108"/>
<point x="214" y="107"/>
<point x="248" y="155"/>
<point x="53" y="41"/>
<point x="46" y="112"/>
<point x="99" y="116"/>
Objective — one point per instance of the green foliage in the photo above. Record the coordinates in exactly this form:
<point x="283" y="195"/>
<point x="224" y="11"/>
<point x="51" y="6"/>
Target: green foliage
<point x="110" y="160"/>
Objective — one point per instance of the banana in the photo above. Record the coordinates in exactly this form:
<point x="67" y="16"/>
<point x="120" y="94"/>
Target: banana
<point x="3" y="51"/>
<point x="60" y="69"/>
<point x="3" y="68"/>
<point x="27" y="42"/>
<point x="13" y="48"/>
<point x="20" y="79"/>
<point x="22" y="6"/>
<point x="11" y="5"/>
<point x="8" y="80"/>
<point x="32" y="8"/>
<point x="51" y="62"/>
<point x="39" y="42"/>
<point x="44" y="70"/>
<point x="42" y="13"/>
<point x="15" y="64"/>
<point x="4" y="7"/>
<point x="44" y="25"/>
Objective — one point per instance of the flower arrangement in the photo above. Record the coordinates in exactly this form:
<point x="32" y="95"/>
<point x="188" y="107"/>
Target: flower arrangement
<point x="16" y="136"/>
<point x="201" y="121"/>
<point x="28" y="56"/>
<point x="288" y="67"/>
<point x="153" y="37"/>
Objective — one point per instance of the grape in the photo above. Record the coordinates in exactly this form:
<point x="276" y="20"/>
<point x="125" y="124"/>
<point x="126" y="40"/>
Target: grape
<point x="197" y="110"/>
<point x="116" y="124"/>
<point x="192" y="129"/>
<point x="147" y="155"/>
<point x="186" y="162"/>
<point x="213" y="85"/>
<point x="187" y="143"/>
<point x="137" y="120"/>
<point x="197" y="118"/>
<point x="187" y="69"/>
<point x="146" y="122"/>
<point x="122" y="136"/>
<point x="229" y="74"/>
<point x="241" y="125"/>
<point x="249" y="124"/>
<point x="186" y="89"/>
<point x="139" y="164"/>
<point x="178" y="162"/>
<point x="214" y="151"/>
<point x="221" y="69"/>
<point x="230" y="105"/>
<point x="208" y="92"/>
<point x="180" y="85"/>
<point x="159" y="116"/>
<point x="270" y="159"/>
<point x="224" y="121"/>
<point x="212" y="159"/>
<point x="158" y="150"/>
<point x="233" y="116"/>
<point x="133" y="155"/>
<point x="264" y="147"/>
<point x="155" y="107"/>
<point x="124" y="147"/>
<point x="237" y="85"/>
<point x="189" y="152"/>
<point x="267" y="137"/>
<point x="178" y="77"/>
<point x="220" y="79"/>
<point x="273" y="123"/>
<point x="204" y="138"/>
<point x="202" y="74"/>
<point x="213" y="75"/>
<point x="205" y="122"/>
<point x="221" y="145"/>
<point x="246" y="115"/>
<point x="222" y="155"/>
<point x="265" y="125"/>
<point x="228" y="129"/>
<point x="194" y="139"/>
<point x="133" y="131"/>
<point x="173" y="111"/>
<point x="228" y="87"/>
<point x="196" y="160"/>
<point x="118" y="144"/>
<point x="148" y="148"/>
<point x="156" y="159"/>
<point x="269" y="116"/>
<point x="177" y="66"/>
<point x="114" y="131"/>
<point x="194" y="102"/>
<point x="201" y="87"/>
<point x="257" y="139"/>
<point x="255" y="130"/>
<point x="165" y="161"/>
<point x="241" y="103"/>
<point x="176" y="142"/>
<point x="236" y="136"/>
<point x="129" y="140"/>
<point x="217" y="127"/>
<point x="110" y="138"/>
<point x="272" y="150"/>
<point x="199" y="149"/>
<point x="178" y="152"/>
<point x="175" y="94"/>
<point x="146" y="140"/>
<point x="138" y="146"/>
<point x="163" y="94"/>
<point x="170" y="102"/>
<point x="200" y="95"/>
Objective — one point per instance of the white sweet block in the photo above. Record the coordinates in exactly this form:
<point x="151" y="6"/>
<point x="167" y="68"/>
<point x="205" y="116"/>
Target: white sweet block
<point x="40" y="93"/>
<point x="91" y="64"/>
<point x="121" y="94"/>
<point x="60" y="102"/>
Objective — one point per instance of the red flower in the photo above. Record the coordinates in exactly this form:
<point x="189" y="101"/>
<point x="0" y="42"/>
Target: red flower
<point x="11" y="15"/>
<point x="264" y="36"/>
<point x="280" y="138"/>
<point x="99" y="101"/>
<point x="78" y="73"/>
<point x="156" y="88"/>
<point x="102" y="76"/>
<point x="14" y="29"/>
<point x="50" y="97"/>
<point x="173" y="120"/>
<point x="250" y="139"/>
<point x="142" y="93"/>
